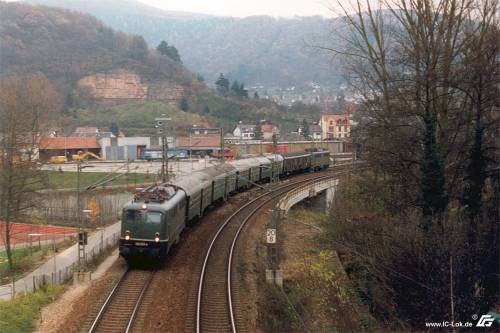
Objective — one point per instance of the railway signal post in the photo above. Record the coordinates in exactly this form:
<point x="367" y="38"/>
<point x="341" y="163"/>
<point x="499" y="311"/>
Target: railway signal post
<point x="161" y="129"/>
<point x="82" y="235"/>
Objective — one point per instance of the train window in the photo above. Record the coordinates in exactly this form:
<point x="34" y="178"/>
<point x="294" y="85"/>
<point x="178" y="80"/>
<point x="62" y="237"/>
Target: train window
<point x="154" y="217"/>
<point x="131" y="215"/>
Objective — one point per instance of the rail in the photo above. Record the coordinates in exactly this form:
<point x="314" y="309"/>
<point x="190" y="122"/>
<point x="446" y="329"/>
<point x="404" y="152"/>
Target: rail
<point x="106" y="303"/>
<point x="130" y="288"/>
<point x="244" y="219"/>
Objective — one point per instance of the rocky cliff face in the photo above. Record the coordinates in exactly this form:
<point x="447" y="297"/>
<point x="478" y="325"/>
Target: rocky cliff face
<point x="124" y="86"/>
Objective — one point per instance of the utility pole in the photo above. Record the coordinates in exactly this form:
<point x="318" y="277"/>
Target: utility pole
<point x="222" y="152"/>
<point x="190" y="148"/>
<point x="275" y="173"/>
<point x="161" y="129"/>
<point x="82" y="235"/>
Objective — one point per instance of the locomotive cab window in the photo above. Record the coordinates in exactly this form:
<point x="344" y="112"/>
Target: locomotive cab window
<point x="140" y="216"/>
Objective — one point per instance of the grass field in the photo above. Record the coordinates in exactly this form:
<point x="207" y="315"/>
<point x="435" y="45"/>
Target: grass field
<point x="23" y="261"/>
<point x="19" y="314"/>
<point x="58" y="180"/>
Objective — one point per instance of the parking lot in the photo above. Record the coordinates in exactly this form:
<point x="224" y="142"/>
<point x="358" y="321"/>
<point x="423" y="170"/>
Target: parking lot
<point x="178" y="167"/>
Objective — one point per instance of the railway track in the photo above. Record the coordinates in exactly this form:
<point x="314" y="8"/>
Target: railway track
<point x="214" y="304"/>
<point x="119" y="310"/>
<point x="215" y="311"/>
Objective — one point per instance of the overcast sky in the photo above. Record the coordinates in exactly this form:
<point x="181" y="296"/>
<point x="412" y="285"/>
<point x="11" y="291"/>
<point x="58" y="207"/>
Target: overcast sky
<point x="241" y="8"/>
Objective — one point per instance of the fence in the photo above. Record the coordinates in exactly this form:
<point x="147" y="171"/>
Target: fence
<point x="60" y="275"/>
<point x="61" y="206"/>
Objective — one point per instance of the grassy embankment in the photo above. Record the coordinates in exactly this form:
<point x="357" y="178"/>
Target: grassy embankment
<point x="136" y="118"/>
<point x="60" y="180"/>
<point x="317" y="295"/>
<point x="19" y="314"/>
<point x="205" y="108"/>
<point x="25" y="259"/>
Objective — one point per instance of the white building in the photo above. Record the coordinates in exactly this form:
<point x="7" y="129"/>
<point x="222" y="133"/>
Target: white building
<point x="129" y="148"/>
<point x="244" y="131"/>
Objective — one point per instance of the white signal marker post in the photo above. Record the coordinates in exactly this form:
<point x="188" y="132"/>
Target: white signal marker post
<point x="273" y="274"/>
<point x="271" y="236"/>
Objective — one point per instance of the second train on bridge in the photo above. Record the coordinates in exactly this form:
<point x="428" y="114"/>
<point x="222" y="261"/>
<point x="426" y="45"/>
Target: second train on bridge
<point x="157" y="215"/>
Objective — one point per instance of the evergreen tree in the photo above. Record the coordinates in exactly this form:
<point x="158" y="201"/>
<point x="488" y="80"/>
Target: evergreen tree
<point x="242" y="91"/>
<point x="183" y="104"/>
<point x="258" y="131"/>
<point x="434" y="200"/>
<point x="305" y="129"/>
<point x="173" y="53"/>
<point x="256" y="95"/>
<point x="222" y="85"/>
<point x="138" y="48"/>
<point x="206" y="110"/>
<point x="162" y="48"/>
<point x="236" y="88"/>
<point x="168" y="50"/>
<point x="200" y="77"/>
<point x="475" y="176"/>
<point x="113" y="128"/>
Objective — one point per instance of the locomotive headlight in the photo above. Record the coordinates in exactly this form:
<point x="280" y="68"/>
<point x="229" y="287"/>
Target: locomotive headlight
<point x="144" y="206"/>
<point x="157" y="237"/>
<point x="127" y="235"/>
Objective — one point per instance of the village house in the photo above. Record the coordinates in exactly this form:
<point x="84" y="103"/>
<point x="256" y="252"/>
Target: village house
<point x="268" y="131"/>
<point x="335" y="126"/>
<point x="247" y="131"/>
<point x="244" y="131"/>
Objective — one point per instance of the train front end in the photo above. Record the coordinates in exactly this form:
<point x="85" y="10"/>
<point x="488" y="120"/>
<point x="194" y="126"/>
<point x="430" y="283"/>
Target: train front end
<point x="144" y="228"/>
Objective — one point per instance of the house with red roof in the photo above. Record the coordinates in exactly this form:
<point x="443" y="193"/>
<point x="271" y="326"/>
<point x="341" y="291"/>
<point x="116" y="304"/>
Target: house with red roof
<point x="67" y="146"/>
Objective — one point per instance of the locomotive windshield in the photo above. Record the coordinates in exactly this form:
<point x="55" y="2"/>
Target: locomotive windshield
<point x="139" y="216"/>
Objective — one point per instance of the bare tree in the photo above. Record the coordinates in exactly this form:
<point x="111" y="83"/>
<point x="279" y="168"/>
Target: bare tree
<point x="26" y="107"/>
<point x="426" y="73"/>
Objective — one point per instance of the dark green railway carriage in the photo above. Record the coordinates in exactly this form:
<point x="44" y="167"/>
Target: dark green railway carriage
<point x="320" y="160"/>
<point x="243" y="173"/>
<point x="198" y="191"/>
<point x="276" y="164"/>
<point x="230" y="178"/>
<point x="218" y="176"/>
<point x="296" y="162"/>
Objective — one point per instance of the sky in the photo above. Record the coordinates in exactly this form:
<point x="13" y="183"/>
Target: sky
<point x="242" y="8"/>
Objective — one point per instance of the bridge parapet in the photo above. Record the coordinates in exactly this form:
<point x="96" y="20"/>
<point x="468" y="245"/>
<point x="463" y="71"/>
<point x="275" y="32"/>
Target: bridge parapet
<point x="310" y="190"/>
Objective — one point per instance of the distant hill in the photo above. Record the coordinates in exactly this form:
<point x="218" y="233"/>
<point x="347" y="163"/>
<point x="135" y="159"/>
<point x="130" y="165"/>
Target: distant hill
<point x="257" y="50"/>
<point x="68" y="46"/>
<point x="103" y="74"/>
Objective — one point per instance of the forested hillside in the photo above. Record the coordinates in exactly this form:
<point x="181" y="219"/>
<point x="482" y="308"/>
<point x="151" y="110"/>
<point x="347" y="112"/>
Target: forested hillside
<point x="66" y="46"/>
<point x="95" y="68"/>
<point x="256" y="50"/>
